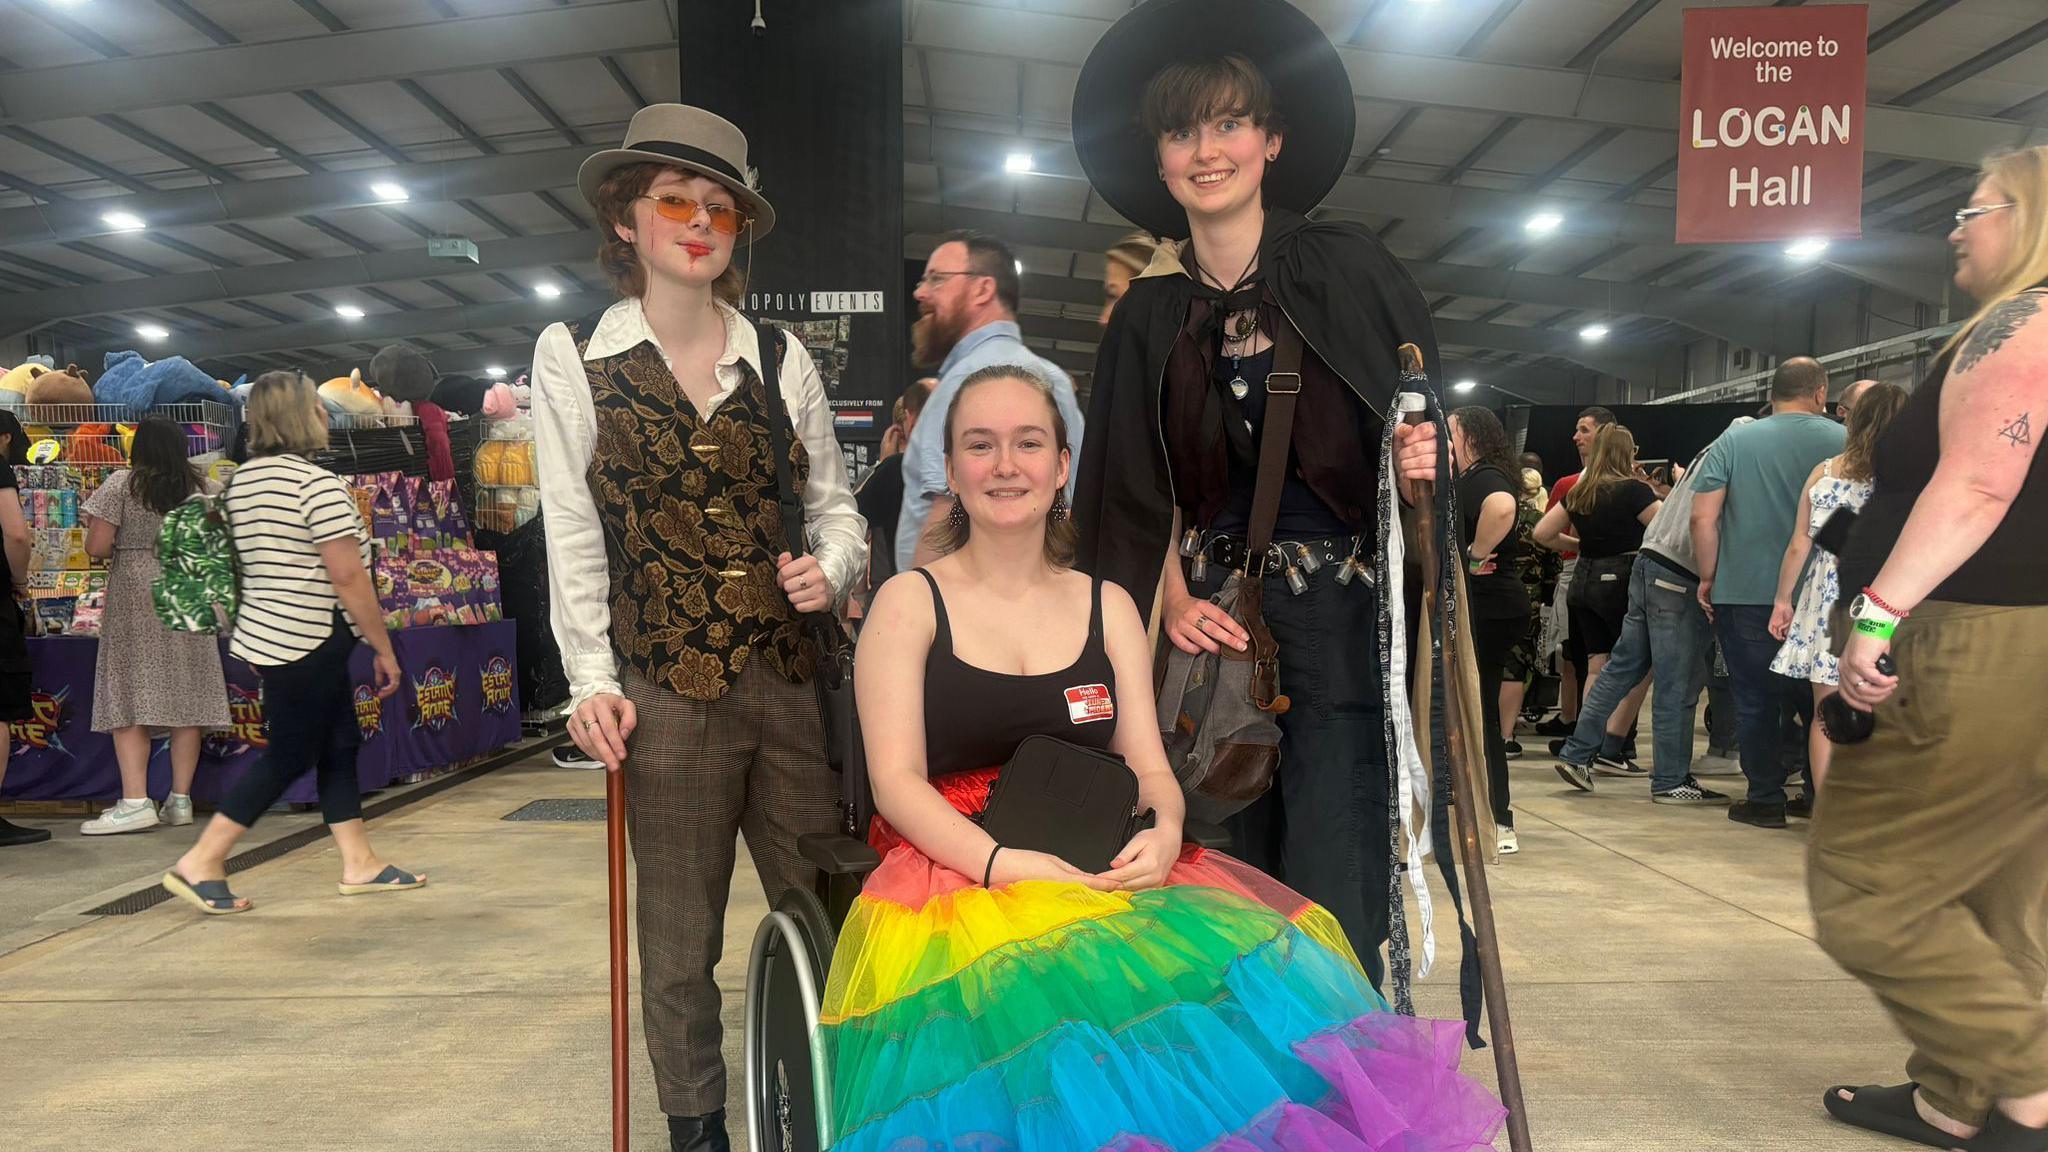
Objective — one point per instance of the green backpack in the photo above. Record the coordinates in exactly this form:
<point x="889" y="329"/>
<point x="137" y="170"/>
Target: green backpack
<point x="197" y="587"/>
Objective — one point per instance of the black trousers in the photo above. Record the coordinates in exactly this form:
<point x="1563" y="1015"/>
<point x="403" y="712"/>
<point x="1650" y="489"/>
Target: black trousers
<point x="1493" y="640"/>
<point x="1323" y="829"/>
<point x="310" y="712"/>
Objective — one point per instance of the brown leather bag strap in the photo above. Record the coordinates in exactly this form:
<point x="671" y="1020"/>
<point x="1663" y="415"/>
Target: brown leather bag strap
<point x="1276" y="441"/>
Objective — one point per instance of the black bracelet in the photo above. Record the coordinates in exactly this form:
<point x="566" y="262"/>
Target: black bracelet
<point x="990" y="871"/>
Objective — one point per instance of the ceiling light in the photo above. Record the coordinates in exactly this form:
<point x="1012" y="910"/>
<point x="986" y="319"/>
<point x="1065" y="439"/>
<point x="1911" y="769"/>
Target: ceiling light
<point x="495" y="372"/>
<point x="349" y="312"/>
<point x="1543" y="223"/>
<point x="152" y="331"/>
<point x="1464" y="385"/>
<point x="547" y="291"/>
<point x="388" y="192"/>
<point x="1593" y="333"/>
<point x="1020" y="267"/>
<point x="1807" y="249"/>
<point x="1017" y="162"/>
<point x="124" y="221"/>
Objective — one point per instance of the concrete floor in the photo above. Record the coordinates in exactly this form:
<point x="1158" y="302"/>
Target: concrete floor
<point x="1666" y="991"/>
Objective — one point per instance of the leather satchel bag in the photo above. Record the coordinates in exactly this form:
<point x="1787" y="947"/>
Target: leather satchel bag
<point x="833" y="675"/>
<point x="1217" y="711"/>
<point x="1076" y="803"/>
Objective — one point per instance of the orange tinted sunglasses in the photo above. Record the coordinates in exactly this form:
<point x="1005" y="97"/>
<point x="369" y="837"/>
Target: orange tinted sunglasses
<point x="725" y="218"/>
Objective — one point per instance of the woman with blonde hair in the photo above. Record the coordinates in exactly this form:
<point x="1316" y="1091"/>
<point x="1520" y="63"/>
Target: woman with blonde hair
<point x="1928" y="858"/>
<point x="1602" y="519"/>
<point x="306" y="596"/>
<point x="1836" y="483"/>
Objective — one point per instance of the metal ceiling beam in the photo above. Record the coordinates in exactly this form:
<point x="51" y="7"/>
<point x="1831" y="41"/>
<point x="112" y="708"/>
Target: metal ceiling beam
<point x="26" y="311"/>
<point x="334" y="59"/>
<point x="1755" y="321"/>
<point x="1481" y="86"/>
<point x="1460" y="206"/>
<point x="382" y="327"/>
<point x="444" y="180"/>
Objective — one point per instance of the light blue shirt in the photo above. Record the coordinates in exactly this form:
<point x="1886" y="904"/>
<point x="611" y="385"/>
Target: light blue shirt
<point x="924" y="460"/>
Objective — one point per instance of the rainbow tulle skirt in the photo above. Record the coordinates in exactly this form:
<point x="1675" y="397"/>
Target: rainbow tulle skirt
<point x="1221" y="1011"/>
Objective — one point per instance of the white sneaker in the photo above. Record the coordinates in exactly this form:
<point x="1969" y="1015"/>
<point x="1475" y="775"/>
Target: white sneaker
<point x="1716" y="766"/>
<point x="570" y="756"/>
<point x="176" y="812"/>
<point x="127" y="816"/>
<point x="1507" y="845"/>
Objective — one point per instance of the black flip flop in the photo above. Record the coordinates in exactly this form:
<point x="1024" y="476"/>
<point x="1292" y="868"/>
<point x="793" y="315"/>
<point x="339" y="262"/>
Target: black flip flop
<point x="209" y="896"/>
<point x="1887" y="1109"/>
<point x="2002" y="1133"/>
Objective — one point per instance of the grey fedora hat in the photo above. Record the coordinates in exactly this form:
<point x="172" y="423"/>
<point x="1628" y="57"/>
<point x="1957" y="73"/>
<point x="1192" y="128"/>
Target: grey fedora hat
<point x="693" y="140"/>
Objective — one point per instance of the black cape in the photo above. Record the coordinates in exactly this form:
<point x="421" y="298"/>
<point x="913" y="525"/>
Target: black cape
<point x="1353" y="303"/>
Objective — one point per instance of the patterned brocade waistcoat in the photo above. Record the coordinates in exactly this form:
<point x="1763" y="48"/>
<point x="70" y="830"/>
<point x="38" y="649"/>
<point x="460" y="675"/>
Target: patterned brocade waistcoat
<point x="692" y="527"/>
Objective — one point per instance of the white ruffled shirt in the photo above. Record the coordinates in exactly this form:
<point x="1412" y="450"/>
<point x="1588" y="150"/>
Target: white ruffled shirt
<point x="565" y="429"/>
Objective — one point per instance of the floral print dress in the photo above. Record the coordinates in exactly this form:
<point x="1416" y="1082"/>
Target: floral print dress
<point x="1806" y="653"/>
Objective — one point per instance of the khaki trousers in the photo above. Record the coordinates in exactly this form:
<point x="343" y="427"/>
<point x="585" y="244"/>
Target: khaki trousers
<point x="1929" y="853"/>
<point x="697" y="773"/>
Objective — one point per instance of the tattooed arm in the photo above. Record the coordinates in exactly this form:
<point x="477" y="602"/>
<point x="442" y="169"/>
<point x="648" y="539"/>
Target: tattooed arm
<point x="1994" y="406"/>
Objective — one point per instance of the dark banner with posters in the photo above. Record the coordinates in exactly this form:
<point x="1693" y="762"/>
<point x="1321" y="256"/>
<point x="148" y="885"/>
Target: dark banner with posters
<point x="458" y="699"/>
<point x="818" y="89"/>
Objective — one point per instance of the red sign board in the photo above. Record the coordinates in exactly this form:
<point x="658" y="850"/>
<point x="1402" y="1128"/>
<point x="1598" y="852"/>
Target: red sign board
<point x="1770" y="126"/>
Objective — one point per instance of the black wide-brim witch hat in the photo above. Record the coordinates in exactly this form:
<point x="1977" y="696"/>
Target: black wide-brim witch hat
<point x="1310" y="87"/>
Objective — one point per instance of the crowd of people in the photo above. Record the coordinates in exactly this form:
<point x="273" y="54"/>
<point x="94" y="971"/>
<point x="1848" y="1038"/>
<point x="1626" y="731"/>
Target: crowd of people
<point x="1019" y="566"/>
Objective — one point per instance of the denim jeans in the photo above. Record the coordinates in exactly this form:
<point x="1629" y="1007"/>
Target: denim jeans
<point x="1665" y="636"/>
<point x="1761" y="696"/>
<point x="1720" y="704"/>
<point x="1323" y="829"/>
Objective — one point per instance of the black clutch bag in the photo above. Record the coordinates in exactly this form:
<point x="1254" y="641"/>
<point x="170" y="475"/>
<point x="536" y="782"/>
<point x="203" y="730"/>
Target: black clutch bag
<point x="1075" y="803"/>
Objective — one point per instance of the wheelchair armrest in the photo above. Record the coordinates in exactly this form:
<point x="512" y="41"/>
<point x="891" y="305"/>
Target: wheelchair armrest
<point x="1203" y="834"/>
<point x="837" y="854"/>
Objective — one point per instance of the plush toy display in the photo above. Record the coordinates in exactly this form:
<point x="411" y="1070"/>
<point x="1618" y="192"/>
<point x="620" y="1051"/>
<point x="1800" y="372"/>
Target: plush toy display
<point x="66" y="387"/>
<point x="401" y="373"/>
<point x="16" y="380"/>
<point x="144" y="385"/>
<point x="355" y="403"/>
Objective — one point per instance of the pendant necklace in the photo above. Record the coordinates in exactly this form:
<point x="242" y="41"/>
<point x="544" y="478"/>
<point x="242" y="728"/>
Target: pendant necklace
<point x="1240" y="328"/>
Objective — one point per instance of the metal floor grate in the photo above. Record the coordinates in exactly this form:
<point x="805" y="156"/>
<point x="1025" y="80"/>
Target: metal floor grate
<point x="560" y="810"/>
<point x="144" y="899"/>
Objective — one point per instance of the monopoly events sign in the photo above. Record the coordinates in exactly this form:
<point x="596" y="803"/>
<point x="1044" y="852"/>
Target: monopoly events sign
<point x="1771" y="106"/>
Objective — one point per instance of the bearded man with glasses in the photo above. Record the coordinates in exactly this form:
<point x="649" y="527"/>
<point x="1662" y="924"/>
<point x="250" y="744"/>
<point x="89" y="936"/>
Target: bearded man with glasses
<point x="967" y="320"/>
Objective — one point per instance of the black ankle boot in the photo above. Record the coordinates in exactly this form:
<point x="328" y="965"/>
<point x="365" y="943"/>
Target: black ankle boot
<point x="698" y="1133"/>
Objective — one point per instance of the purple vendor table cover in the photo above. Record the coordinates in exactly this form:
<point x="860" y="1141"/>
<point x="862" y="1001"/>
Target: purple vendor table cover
<point x="458" y="700"/>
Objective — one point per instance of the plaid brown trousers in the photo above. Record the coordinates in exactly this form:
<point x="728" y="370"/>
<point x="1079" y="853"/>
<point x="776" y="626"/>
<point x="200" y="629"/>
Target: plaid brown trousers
<point x="751" y="762"/>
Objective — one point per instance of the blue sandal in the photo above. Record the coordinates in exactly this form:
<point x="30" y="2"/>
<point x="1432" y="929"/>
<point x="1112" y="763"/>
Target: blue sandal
<point x="391" y="879"/>
<point x="209" y="896"/>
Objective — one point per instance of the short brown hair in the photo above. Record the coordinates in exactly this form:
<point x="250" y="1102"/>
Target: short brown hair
<point x="285" y="415"/>
<point x="618" y="258"/>
<point x="1062" y="542"/>
<point x="988" y="256"/>
<point x="914" y="397"/>
<point x="1190" y="93"/>
<point x="1798" y="378"/>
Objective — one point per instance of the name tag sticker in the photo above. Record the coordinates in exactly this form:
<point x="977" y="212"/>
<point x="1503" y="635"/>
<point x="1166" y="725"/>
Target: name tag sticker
<point x="1089" y="703"/>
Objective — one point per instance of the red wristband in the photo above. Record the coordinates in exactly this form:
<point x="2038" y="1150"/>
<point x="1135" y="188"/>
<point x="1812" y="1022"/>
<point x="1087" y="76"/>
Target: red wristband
<point x="1879" y="601"/>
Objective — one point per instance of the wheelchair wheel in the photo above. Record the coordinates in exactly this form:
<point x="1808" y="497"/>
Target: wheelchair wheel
<point x="787" y="1082"/>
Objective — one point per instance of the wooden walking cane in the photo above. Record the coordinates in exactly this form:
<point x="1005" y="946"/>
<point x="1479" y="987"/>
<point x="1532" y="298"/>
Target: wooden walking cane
<point x="1464" y="779"/>
<point x="615" y="851"/>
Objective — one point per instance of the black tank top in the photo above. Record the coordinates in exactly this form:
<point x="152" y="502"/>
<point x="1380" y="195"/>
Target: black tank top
<point x="974" y="718"/>
<point x="2006" y="570"/>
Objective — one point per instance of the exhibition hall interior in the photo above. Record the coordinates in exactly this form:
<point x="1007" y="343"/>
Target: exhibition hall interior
<point x="549" y="541"/>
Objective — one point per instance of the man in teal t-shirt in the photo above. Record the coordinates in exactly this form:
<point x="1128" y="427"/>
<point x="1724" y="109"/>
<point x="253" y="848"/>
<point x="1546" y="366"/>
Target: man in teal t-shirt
<point x="1744" y="511"/>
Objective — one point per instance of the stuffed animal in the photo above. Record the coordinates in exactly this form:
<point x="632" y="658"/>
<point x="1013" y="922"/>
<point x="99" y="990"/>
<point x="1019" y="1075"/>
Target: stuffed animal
<point x="499" y="403"/>
<point x="144" y="385"/>
<point x="349" y="397"/>
<point x="17" y="380"/>
<point x="401" y="373"/>
<point x="66" y="387"/>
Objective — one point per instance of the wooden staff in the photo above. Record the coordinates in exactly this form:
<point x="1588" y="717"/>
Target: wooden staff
<point x="1465" y="788"/>
<point x="615" y="851"/>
